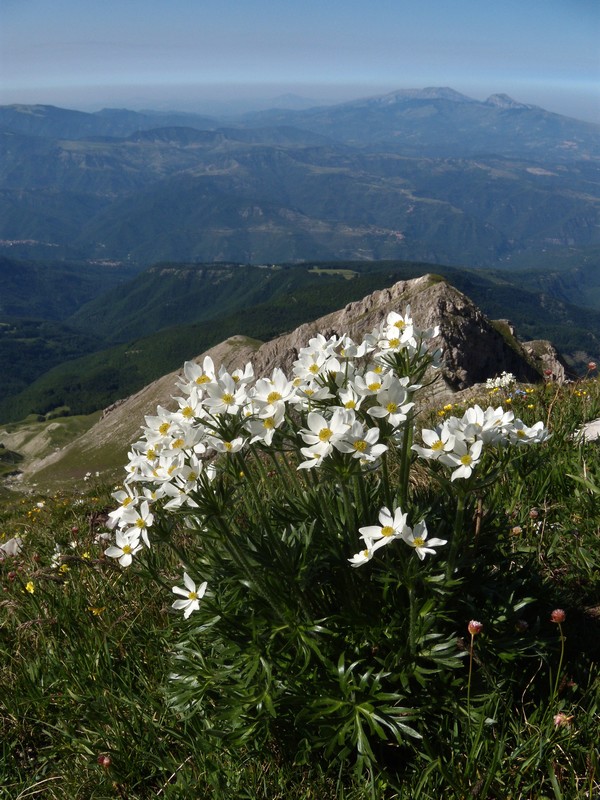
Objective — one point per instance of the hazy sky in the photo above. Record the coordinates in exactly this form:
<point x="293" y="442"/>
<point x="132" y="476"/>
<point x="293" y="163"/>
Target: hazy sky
<point x="189" y="53"/>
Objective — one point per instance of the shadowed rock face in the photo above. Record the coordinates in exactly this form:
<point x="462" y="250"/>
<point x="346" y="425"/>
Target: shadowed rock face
<point x="473" y="348"/>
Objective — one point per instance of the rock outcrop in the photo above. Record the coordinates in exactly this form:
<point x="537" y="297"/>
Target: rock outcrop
<point x="474" y="349"/>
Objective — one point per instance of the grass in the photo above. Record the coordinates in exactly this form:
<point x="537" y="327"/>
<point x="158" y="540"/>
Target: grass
<point x="86" y="650"/>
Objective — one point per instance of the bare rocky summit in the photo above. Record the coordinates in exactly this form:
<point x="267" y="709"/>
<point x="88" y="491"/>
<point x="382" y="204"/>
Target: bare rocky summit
<point x="474" y="349"/>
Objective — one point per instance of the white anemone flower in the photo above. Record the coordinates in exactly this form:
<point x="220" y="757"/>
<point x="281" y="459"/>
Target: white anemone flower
<point x="392" y="525"/>
<point x="323" y="431"/>
<point x="360" y="443"/>
<point x="124" y="549"/>
<point x="191" y="596"/>
<point x="372" y="383"/>
<point x="519" y="433"/>
<point x="417" y="538"/>
<point x="392" y="404"/>
<point x="464" y="457"/>
<point x="360" y="558"/>
<point x="437" y="441"/>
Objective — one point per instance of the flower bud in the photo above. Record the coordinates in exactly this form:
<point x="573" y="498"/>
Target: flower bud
<point x="475" y="627"/>
<point x="558" y="616"/>
<point x="104" y="761"/>
<point x="562" y="720"/>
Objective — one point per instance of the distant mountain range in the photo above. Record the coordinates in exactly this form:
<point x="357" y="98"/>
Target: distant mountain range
<point x="428" y="175"/>
<point x="130" y="241"/>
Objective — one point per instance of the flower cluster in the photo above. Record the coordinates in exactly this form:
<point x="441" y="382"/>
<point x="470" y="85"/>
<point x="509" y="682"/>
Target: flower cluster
<point x="345" y="405"/>
<point x="503" y="381"/>
<point x="393" y="526"/>
<point x="460" y="443"/>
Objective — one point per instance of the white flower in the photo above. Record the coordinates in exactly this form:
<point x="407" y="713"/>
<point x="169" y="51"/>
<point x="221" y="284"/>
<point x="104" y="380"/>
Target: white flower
<point x="392" y="403"/>
<point x="417" y="538"/>
<point x="322" y="431"/>
<point x="371" y="383"/>
<point x="224" y="396"/>
<point x="438" y="441"/>
<point x="464" y="457"/>
<point x="361" y="444"/>
<point x="125" y="548"/>
<point x="192" y="594"/>
<point x="519" y="433"/>
<point x="391" y="527"/>
<point x="358" y="559"/>
<point x="137" y="521"/>
<point x="273" y="393"/>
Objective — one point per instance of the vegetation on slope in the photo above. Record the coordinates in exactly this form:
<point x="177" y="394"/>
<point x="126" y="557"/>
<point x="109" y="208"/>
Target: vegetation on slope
<point x="88" y="650"/>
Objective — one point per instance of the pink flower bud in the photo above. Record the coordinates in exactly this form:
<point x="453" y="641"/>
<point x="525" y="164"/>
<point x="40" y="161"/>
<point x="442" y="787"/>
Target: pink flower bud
<point x="475" y="627"/>
<point x="104" y="761"/>
<point x="558" y="616"/>
<point x="562" y="720"/>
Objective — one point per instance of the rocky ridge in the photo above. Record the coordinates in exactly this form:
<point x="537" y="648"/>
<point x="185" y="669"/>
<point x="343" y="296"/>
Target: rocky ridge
<point x="474" y="349"/>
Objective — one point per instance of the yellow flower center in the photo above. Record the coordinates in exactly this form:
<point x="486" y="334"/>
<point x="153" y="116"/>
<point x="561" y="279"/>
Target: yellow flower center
<point x="193" y="596"/>
<point x="325" y="434"/>
<point x="394" y="342"/>
<point x="164" y="428"/>
<point x="187" y="412"/>
<point x="360" y="445"/>
<point x="438" y="445"/>
<point x="387" y="530"/>
<point x="392" y="408"/>
<point x="140" y="523"/>
<point x="373" y="387"/>
<point x="314" y="368"/>
<point x="350" y="404"/>
<point x="202" y="379"/>
<point x="126" y="548"/>
<point x="418" y="541"/>
<point x="273" y="397"/>
<point x="227" y="398"/>
<point x="466" y="459"/>
<point x="400" y="324"/>
<point x="177" y="443"/>
<point x="269" y="423"/>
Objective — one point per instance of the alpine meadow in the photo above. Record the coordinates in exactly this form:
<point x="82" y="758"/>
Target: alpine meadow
<point x="300" y="451"/>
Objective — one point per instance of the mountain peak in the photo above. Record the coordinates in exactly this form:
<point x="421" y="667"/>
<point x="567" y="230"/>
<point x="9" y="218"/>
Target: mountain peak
<point x="504" y="101"/>
<point x="429" y="93"/>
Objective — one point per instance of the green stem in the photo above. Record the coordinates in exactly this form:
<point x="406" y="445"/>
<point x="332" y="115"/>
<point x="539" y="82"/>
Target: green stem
<point x="469" y="680"/>
<point x="412" y="620"/>
<point x="405" y="458"/>
<point x="457" y="533"/>
<point x="560" y="663"/>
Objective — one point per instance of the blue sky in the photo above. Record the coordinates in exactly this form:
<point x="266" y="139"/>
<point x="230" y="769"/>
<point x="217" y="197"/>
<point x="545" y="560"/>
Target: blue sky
<point x="193" y="54"/>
